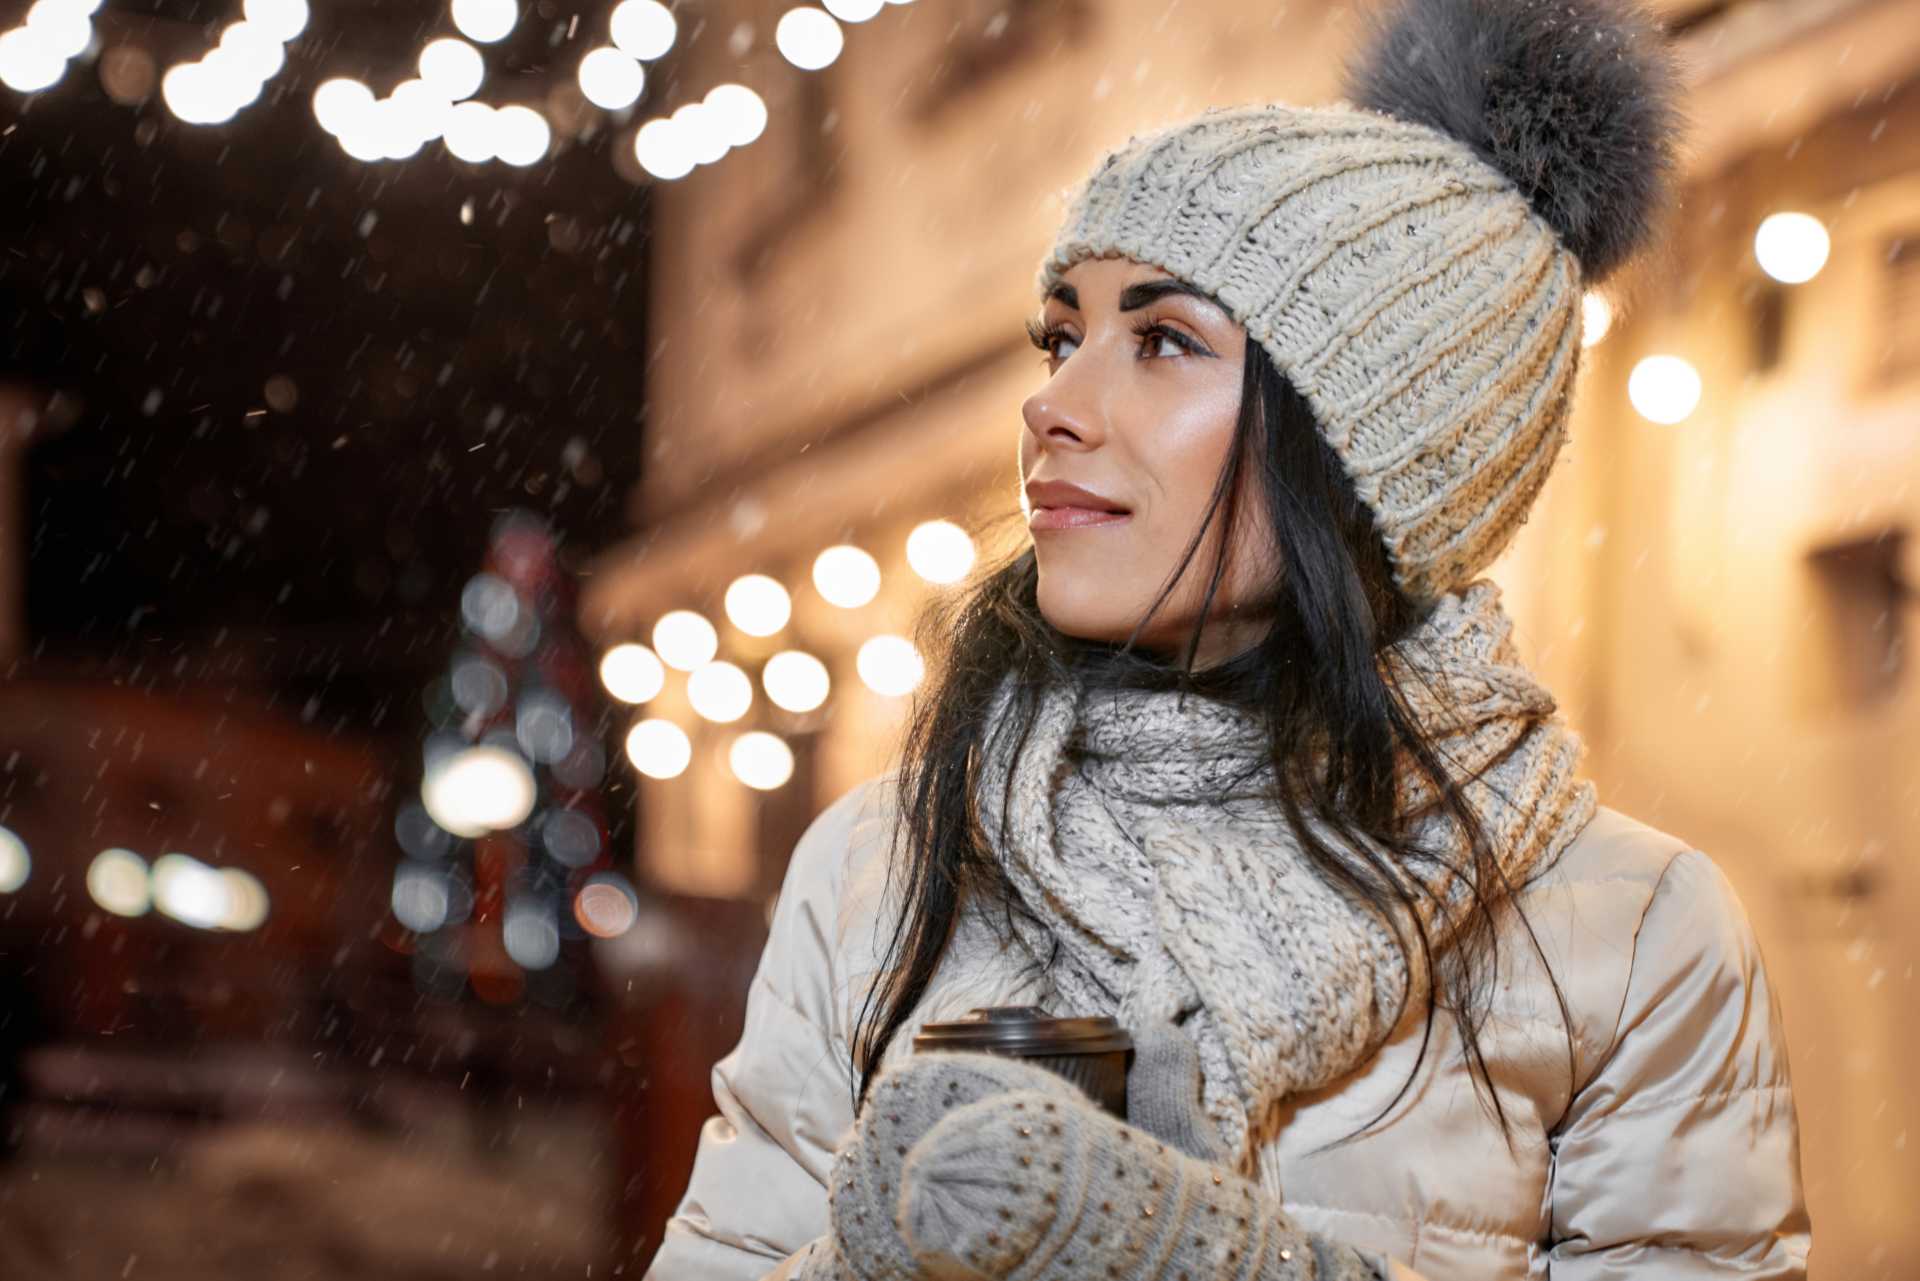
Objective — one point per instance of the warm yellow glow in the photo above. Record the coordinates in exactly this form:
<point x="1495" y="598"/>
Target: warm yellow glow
<point x="659" y="749"/>
<point x="453" y="67"/>
<point x="247" y="903"/>
<point x="117" y="881"/>
<point x="1596" y="318"/>
<point x="662" y="151"/>
<point x="478" y="789"/>
<point x="28" y="63"/>
<point x="1665" y="389"/>
<point x="632" y="673"/>
<point x="940" y="552"/>
<point x="643" y="29"/>
<point x="890" y="665"/>
<point x="846" y="576"/>
<point x="796" y="681"/>
<point x="809" y="38"/>
<point x="720" y="692"/>
<point x="684" y="640"/>
<point x="1792" y="247"/>
<point x="485" y="20"/>
<point x="189" y="891"/>
<point x="282" y="19"/>
<point x="610" y="79"/>
<point x="341" y="104"/>
<point x="738" y="113"/>
<point x="521" y="135"/>
<point x="15" y="863"/>
<point x="758" y="605"/>
<point x="760" y="760"/>
<point x="606" y="905"/>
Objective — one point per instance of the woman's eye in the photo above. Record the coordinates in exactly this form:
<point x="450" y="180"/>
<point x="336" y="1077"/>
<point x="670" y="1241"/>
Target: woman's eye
<point x="1157" y="336"/>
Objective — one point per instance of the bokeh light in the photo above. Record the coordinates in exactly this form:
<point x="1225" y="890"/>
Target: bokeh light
<point x="890" y="665"/>
<point x="1792" y="247"/>
<point x="758" y="605"/>
<point x="342" y="105"/>
<point x="662" y="151"/>
<point x="940" y="551"/>
<point x="720" y="692"/>
<point x="453" y="67"/>
<point x="1664" y="389"/>
<point x="485" y="20"/>
<point x="632" y="673"/>
<point x="611" y="79"/>
<point x="684" y="640"/>
<point x="422" y="896"/>
<point x="117" y="882"/>
<point x="739" y="114"/>
<point x="470" y="134"/>
<point x="28" y="63"/>
<point x="15" y="863"/>
<point x="521" y="135"/>
<point x="642" y="29"/>
<point x="761" y="760"/>
<point x="809" y="38"/>
<point x="846" y="576"/>
<point x="1596" y="318"/>
<point x="282" y="19"/>
<point x="659" y="749"/>
<point x="796" y="681"/>
<point x="529" y="931"/>
<point x="189" y="891"/>
<point x="606" y="905"/>
<point x="478" y="789"/>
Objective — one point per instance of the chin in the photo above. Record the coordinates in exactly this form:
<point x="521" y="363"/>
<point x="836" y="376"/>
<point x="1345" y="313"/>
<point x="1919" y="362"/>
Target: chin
<point x="1086" y="607"/>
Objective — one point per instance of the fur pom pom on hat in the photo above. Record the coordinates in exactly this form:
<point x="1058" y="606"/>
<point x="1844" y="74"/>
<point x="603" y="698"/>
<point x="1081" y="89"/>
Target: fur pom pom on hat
<point x="1413" y="258"/>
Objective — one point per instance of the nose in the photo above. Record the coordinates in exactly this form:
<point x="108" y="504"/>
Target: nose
<point x="1064" y="414"/>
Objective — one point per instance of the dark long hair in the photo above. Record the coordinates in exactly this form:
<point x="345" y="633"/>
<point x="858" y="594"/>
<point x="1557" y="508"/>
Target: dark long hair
<point x="1313" y="679"/>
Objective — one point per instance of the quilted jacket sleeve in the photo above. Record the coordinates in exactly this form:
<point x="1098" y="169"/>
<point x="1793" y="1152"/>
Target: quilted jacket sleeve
<point x="1680" y="1157"/>
<point x="757" y="1196"/>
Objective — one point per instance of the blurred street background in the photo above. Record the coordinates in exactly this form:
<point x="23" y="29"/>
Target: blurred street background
<point x="469" y="474"/>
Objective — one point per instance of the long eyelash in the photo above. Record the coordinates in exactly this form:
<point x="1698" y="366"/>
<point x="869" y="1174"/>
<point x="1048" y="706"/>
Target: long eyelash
<point x="1042" y="335"/>
<point x="1151" y="328"/>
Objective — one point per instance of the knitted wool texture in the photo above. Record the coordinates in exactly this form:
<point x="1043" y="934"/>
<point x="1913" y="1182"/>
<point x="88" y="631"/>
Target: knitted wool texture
<point x="1402" y="285"/>
<point x="967" y="1165"/>
<point x="1140" y="836"/>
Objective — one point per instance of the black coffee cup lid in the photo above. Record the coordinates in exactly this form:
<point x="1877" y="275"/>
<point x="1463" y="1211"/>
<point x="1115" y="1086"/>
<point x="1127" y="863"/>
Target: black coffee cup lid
<point x="1024" y="1029"/>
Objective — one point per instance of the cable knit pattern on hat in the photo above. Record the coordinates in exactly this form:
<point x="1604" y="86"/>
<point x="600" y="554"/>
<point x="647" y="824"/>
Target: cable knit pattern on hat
<point x="1140" y="835"/>
<point x="1400" y="282"/>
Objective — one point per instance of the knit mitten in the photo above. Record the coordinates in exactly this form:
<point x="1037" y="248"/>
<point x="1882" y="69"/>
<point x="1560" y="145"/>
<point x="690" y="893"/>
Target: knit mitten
<point x="1163" y="1093"/>
<point x="905" y="1102"/>
<point x="824" y="1262"/>
<point x="1029" y="1184"/>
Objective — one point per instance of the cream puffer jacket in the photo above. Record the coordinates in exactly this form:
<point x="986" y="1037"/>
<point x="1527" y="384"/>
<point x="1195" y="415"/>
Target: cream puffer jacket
<point x="1672" y="1152"/>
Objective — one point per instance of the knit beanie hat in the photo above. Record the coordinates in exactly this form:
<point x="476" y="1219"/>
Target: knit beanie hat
<point x="1413" y="257"/>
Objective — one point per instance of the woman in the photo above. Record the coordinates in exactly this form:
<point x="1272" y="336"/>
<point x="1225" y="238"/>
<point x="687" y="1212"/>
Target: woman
<point x="1240" y="752"/>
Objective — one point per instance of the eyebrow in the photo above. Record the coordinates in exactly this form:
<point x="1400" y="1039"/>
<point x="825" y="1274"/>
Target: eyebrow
<point x="1134" y="297"/>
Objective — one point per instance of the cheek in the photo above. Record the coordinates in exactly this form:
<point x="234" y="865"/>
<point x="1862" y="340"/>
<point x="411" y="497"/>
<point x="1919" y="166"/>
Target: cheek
<point x="1186" y="449"/>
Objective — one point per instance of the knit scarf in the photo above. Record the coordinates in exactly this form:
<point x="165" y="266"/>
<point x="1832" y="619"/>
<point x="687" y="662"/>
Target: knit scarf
<point x="1141" y="836"/>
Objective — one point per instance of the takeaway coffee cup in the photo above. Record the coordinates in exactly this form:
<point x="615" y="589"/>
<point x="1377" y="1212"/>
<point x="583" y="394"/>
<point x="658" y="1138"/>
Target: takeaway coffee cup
<point x="1090" y="1052"/>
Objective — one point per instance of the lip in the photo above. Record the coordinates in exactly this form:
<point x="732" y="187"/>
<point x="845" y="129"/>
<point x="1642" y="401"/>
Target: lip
<point x="1045" y="518"/>
<point x="1059" y="504"/>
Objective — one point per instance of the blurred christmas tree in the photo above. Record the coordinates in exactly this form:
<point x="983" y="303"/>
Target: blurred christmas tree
<point x="509" y="863"/>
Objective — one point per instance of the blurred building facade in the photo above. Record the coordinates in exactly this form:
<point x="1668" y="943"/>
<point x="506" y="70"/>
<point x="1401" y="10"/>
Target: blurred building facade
<point x="1721" y="602"/>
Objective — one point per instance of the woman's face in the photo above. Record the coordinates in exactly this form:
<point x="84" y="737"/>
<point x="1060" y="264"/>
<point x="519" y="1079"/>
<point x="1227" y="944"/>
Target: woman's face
<point x="1139" y="409"/>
